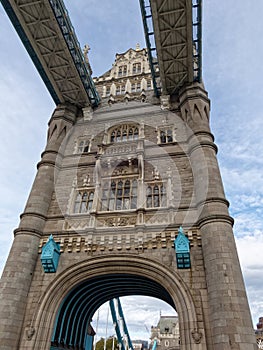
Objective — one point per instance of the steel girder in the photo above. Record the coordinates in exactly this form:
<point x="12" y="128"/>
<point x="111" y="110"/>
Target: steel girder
<point x="46" y="31"/>
<point x="78" y="307"/>
<point x="178" y="59"/>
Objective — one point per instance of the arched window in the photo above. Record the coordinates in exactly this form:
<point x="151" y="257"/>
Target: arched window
<point x="83" y="207"/>
<point x="156" y="196"/>
<point x="77" y="203"/>
<point x="149" y="197"/>
<point x="163" y="196"/>
<point x="134" y="194"/>
<point x="124" y="133"/>
<point x="90" y="201"/>
<point x="130" y="134"/>
<point x="112" y="195"/>
<point x="112" y="138"/>
<point x="83" y="202"/>
<point x="120" y="195"/>
<point x="118" y="136"/>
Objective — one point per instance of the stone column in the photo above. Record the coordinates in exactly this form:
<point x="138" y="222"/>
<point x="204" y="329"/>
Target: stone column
<point x="228" y="310"/>
<point x="16" y="279"/>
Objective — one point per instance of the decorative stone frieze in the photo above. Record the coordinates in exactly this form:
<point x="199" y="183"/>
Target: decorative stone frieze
<point x="87" y="242"/>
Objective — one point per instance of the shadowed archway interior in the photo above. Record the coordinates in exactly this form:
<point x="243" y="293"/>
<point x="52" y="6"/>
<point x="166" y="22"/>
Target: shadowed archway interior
<point x="78" y="307"/>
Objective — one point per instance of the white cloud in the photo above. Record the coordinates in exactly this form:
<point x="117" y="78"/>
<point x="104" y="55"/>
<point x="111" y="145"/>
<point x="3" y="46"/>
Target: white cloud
<point x="250" y="248"/>
<point x="232" y="57"/>
<point x="140" y="313"/>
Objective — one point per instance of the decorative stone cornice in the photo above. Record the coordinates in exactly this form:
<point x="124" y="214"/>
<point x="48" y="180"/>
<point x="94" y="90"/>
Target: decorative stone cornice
<point x="140" y="241"/>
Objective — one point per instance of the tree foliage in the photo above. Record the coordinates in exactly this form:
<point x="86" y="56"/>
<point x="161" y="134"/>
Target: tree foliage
<point x="100" y="343"/>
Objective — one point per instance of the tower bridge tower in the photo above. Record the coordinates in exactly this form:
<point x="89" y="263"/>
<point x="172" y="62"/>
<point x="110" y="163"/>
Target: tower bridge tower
<point x="114" y="187"/>
<point x="128" y="197"/>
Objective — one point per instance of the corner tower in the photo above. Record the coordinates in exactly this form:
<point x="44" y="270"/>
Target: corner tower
<point x="114" y="186"/>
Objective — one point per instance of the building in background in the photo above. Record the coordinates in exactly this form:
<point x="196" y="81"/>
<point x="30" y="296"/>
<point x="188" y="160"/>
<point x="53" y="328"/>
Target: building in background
<point x="140" y="344"/>
<point x="166" y="334"/>
<point x="259" y="333"/>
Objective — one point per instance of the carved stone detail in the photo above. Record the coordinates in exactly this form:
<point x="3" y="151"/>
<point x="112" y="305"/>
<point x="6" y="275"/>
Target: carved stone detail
<point x="30" y="331"/>
<point x="197" y="336"/>
<point x="158" y="218"/>
<point x="87" y="242"/>
<point x="120" y="221"/>
<point x="123" y="149"/>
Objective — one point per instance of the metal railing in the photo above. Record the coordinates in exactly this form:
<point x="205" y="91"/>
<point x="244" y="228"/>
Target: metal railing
<point x="197" y="38"/>
<point x="150" y="42"/>
<point x="70" y="37"/>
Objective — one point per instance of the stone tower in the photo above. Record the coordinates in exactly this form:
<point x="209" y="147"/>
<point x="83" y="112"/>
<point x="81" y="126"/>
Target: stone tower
<point x="127" y="200"/>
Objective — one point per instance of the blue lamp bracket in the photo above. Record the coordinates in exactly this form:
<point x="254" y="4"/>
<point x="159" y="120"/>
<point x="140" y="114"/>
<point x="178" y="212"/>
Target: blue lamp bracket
<point x="50" y="255"/>
<point x="182" y="250"/>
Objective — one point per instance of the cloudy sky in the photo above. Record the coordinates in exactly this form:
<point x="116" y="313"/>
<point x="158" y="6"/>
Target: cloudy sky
<point x="232" y="73"/>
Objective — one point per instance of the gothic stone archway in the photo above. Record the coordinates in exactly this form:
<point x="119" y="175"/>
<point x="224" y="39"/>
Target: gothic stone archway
<point x="172" y="288"/>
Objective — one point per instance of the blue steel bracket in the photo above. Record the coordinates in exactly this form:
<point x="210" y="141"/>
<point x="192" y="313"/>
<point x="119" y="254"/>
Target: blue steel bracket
<point x="182" y="250"/>
<point x="155" y="344"/>
<point x="70" y="37"/>
<point x="197" y="39"/>
<point x="116" y="325"/>
<point x="150" y="43"/>
<point x="20" y="31"/>
<point x="50" y="255"/>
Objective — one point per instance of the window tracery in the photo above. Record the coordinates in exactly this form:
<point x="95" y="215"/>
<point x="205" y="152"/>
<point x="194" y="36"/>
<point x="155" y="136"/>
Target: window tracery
<point x="83" y="202"/>
<point x="156" y="195"/>
<point x="124" y="133"/>
<point x="119" y="194"/>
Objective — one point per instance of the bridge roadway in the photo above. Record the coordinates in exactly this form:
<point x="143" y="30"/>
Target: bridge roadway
<point x="173" y="38"/>
<point x="173" y="30"/>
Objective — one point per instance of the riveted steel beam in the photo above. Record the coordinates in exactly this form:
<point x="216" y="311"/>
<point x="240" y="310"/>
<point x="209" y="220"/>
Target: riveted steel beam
<point x="46" y="32"/>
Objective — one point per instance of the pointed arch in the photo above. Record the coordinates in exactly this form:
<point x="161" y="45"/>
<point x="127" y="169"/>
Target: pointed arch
<point x="164" y="282"/>
<point x="53" y="131"/>
<point x="197" y="115"/>
<point x="62" y="133"/>
<point x="206" y="112"/>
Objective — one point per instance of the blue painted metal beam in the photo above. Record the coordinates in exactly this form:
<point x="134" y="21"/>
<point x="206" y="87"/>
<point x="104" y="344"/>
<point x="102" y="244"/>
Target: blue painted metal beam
<point x="116" y="324"/>
<point x="82" y="72"/>
<point x="197" y="39"/>
<point x="20" y="31"/>
<point x="193" y="70"/>
<point x="125" y="328"/>
<point x="70" y="37"/>
<point x="77" y="309"/>
<point x="150" y="43"/>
